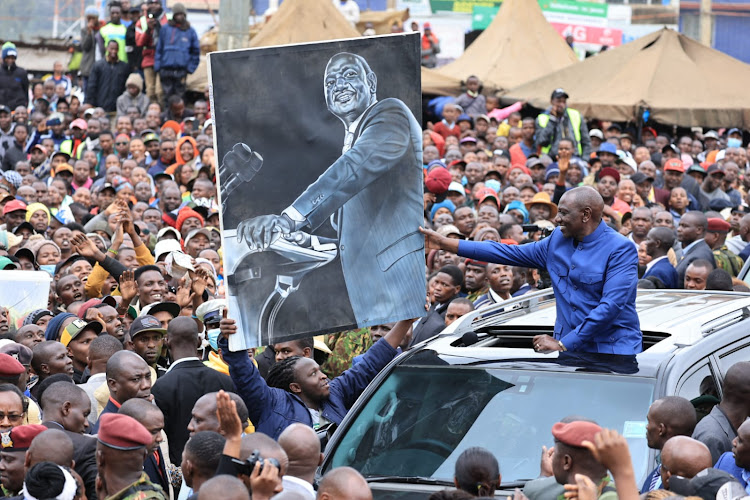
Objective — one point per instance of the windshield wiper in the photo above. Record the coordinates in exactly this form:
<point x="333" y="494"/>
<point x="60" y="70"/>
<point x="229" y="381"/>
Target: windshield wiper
<point x="409" y="480"/>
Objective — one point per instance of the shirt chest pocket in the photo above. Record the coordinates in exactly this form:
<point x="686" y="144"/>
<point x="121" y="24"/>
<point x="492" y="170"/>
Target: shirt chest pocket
<point x="590" y="282"/>
<point x="559" y="275"/>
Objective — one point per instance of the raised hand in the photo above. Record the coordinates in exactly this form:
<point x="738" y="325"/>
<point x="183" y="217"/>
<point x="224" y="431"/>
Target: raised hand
<point x="611" y="450"/>
<point x="229" y="421"/>
<point x="184" y="294"/>
<point x="84" y="246"/>
<point x="128" y="287"/>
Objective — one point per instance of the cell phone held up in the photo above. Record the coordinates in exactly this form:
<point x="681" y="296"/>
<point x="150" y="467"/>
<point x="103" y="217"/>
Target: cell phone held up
<point x="245" y="467"/>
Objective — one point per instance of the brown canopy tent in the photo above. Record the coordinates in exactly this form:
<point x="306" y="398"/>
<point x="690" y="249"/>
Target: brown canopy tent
<point x="439" y="84"/>
<point x="680" y="81"/>
<point x="518" y="46"/>
<point x="382" y="20"/>
<point x="299" y="21"/>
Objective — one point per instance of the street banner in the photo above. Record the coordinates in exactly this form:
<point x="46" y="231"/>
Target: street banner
<point x="320" y="180"/>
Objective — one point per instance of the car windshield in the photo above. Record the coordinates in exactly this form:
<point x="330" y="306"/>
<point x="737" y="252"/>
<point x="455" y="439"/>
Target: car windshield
<point x="422" y="418"/>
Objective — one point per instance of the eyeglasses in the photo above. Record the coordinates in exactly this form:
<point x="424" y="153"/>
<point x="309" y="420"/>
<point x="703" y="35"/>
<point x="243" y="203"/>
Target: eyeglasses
<point x="122" y="143"/>
<point x="663" y="468"/>
<point x="12" y="417"/>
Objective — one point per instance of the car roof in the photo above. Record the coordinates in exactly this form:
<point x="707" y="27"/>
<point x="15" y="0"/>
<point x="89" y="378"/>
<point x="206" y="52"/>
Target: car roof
<point x="670" y="320"/>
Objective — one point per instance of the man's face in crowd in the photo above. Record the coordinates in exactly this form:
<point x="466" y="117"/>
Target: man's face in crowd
<point x="455" y="311"/>
<point x="348" y="88"/>
<point x="464" y="219"/>
<point x="672" y="179"/>
<point x="500" y="277"/>
<point x="152" y="216"/>
<point x="475" y="277"/>
<point x="696" y="148"/>
<point x="689" y="229"/>
<point x="197" y="243"/>
<point x="152" y="119"/>
<point x="713" y="181"/>
<point x="488" y="213"/>
<point x="30" y="335"/>
<point x="112" y="323"/>
<point x="664" y="219"/>
<point x="5" y="120"/>
<point x="641" y="222"/>
<point x="312" y="382"/>
<point x="133" y="380"/>
<point x="59" y="362"/>
<point x="443" y="288"/>
<point x="204" y="415"/>
<point x="285" y="350"/>
<point x="151" y="287"/>
<point x="741" y="446"/>
<point x="15" y="218"/>
<point x="70" y="289"/>
<point x="474" y="172"/>
<point x="695" y="277"/>
<point x="429" y="154"/>
<point x="12" y="470"/>
<point x="172" y="199"/>
<point x="678" y="199"/>
<point x="11" y="407"/>
<point x="685" y="144"/>
<point x="148" y="345"/>
<point x="167" y="152"/>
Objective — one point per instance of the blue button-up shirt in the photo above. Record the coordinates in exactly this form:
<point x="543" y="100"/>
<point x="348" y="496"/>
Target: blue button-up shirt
<point x="594" y="282"/>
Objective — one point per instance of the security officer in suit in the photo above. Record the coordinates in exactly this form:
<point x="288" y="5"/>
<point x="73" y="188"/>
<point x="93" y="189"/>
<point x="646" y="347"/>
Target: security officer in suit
<point x="373" y="188"/>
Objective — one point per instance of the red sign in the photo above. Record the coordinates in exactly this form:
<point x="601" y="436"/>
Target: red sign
<point x="590" y="34"/>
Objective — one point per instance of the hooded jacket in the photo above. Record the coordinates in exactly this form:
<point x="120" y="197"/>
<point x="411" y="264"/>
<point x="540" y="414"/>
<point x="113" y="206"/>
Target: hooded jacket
<point x="14" y="86"/>
<point x="177" y="48"/>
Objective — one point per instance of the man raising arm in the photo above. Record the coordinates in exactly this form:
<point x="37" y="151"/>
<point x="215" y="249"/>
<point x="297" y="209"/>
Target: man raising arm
<point x="594" y="272"/>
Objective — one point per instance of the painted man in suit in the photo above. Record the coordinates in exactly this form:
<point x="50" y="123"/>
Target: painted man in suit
<point x="377" y="178"/>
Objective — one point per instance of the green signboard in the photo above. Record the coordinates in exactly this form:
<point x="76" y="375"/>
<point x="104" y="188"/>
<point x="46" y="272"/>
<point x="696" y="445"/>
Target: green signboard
<point x="466" y="6"/>
<point x="482" y="15"/>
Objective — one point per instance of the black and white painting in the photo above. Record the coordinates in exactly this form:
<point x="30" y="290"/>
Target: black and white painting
<point x="320" y="176"/>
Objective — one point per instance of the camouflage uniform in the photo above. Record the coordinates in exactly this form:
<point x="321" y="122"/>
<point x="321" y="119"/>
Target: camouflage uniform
<point x="728" y="261"/>
<point x="142" y="489"/>
<point x="344" y="346"/>
<point x="473" y="296"/>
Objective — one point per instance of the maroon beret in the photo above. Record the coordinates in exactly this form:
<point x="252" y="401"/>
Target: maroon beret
<point x="10" y="366"/>
<point x="716" y="225"/>
<point x="122" y="432"/>
<point x="438" y="180"/>
<point x="472" y="262"/>
<point x="575" y="433"/>
<point x="20" y="438"/>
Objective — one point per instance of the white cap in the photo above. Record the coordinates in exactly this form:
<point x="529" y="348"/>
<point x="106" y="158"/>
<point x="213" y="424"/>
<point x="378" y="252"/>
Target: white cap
<point x="457" y="187"/>
<point x="595" y="132"/>
<point x="164" y="247"/>
<point x="168" y="229"/>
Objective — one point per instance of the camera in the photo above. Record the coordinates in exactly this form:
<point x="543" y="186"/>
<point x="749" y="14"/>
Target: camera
<point x="245" y="467"/>
<point x="533" y="228"/>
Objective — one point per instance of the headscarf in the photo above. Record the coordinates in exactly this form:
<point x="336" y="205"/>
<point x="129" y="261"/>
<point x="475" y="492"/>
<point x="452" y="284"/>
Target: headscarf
<point x="35" y="207"/>
<point x="518" y="205"/>
<point x="178" y="157"/>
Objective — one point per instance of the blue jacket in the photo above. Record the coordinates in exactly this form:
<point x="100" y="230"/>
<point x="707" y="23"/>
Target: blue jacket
<point x="594" y="282"/>
<point x="177" y="48"/>
<point x="665" y="271"/>
<point x="727" y="464"/>
<point x="272" y="410"/>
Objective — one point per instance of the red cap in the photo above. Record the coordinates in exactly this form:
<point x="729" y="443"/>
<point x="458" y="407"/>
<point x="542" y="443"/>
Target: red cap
<point x="575" y="433"/>
<point x="426" y="26"/>
<point x="122" y="432"/>
<point x="80" y="123"/>
<point x="185" y="214"/>
<point x="523" y="168"/>
<point x="10" y="366"/>
<point x="674" y="164"/>
<point x="489" y="195"/>
<point x="716" y="225"/>
<point x="438" y="180"/>
<point x="13" y="205"/>
<point x="610" y="172"/>
<point x="20" y="438"/>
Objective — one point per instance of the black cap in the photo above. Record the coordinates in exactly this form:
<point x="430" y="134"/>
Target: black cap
<point x="640" y="177"/>
<point x="559" y="93"/>
<point x="4" y="109"/>
<point x="705" y="484"/>
<point x="146" y="323"/>
<point x="671" y="147"/>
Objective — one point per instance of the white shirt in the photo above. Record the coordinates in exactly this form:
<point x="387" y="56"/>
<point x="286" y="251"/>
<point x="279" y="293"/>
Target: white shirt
<point x="298" y="485"/>
<point x="175" y="363"/>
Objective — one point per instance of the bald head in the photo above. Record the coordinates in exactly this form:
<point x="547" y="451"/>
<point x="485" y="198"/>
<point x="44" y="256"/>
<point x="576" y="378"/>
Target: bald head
<point x="138" y="408"/>
<point x="182" y="334"/>
<point x="580" y="212"/>
<point x="736" y="388"/>
<point x="344" y="483"/>
<point x="53" y="446"/>
<point x="744" y="228"/>
<point x="668" y="417"/>
<point x="663" y="238"/>
<point x="224" y="487"/>
<point x="60" y="393"/>
<point x="267" y="447"/>
<point x="302" y="446"/>
<point x="685" y="456"/>
<point x="123" y="362"/>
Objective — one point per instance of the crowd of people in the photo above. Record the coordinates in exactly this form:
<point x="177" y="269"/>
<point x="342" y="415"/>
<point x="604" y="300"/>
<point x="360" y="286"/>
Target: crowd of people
<point x="109" y="185"/>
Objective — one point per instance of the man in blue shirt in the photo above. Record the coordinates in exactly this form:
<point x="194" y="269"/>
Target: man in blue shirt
<point x="594" y="272"/>
<point x="737" y="461"/>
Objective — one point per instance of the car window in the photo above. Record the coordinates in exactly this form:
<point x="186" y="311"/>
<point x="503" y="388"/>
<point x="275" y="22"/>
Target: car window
<point x="733" y="354"/>
<point x="422" y="418"/>
<point x="699" y="387"/>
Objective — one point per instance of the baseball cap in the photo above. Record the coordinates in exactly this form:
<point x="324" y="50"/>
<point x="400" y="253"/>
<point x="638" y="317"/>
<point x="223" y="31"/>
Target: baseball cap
<point x="607" y="147"/>
<point x="628" y="161"/>
<point x="172" y="308"/>
<point x="672" y="148"/>
<point x="438" y="180"/>
<point x="6" y="263"/>
<point x="150" y="137"/>
<point x="146" y="323"/>
<point x="79" y="123"/>
<point x="195" y="232"/>
<point x="450" y="229"/>
<point x="13" y="206"/>
<point x="640" y="177"/>
<point x="674" y="164"/>
<point x="595" y="132"/>
<point x="456" y="187"/>
<point x="715" y="168"/>
<point x="559" y="93"/>
<point x="711" y="134"/>
<point x="77" y="327"/>
<point x="4" y="109"/>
